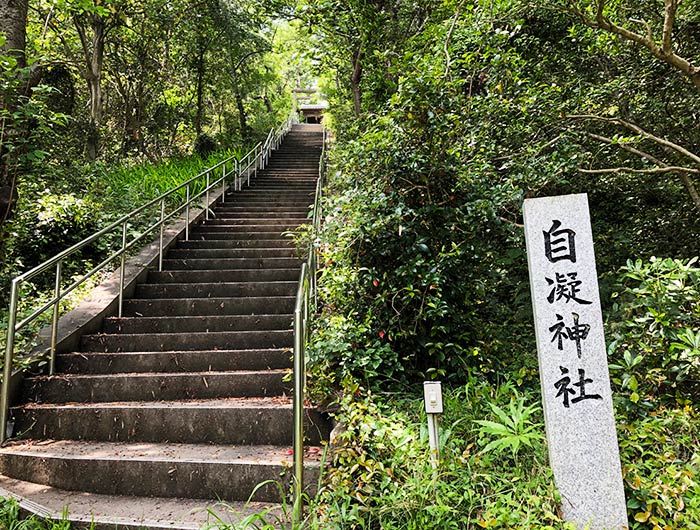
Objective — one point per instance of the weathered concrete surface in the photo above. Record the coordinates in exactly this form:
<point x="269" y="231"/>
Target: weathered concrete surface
<point x="164" y="386"/>
<point x="266" y="421"/>
<point x="173" y="361"/>
<point x="162" y="469"/>
<point x="109" y="512"/>
<point x="198" y="359"/>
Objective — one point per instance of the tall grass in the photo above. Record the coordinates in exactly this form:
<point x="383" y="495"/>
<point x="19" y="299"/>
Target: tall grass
<point x="125" y="188"/>
<point x="11" y="519"/>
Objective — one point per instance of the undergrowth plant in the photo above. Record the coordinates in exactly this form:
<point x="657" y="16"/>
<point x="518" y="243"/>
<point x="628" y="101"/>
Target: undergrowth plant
<point x="381" y="476"/>
<point x="273" y="517"/>
<point x="654" y="334"/>
<point x="11" y="519"/>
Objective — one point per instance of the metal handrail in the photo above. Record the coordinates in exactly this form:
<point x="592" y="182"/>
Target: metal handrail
<point x="255" y="159"/>
<point x="306" y="301"/>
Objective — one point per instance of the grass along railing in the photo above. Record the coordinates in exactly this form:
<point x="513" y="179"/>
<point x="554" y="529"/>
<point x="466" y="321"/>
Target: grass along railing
<point x="305" y="304"/>
<point x="213" y="179"/>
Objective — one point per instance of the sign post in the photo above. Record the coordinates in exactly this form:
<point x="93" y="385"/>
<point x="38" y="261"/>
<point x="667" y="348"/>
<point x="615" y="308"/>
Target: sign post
<point x="432" y="393"/>
<point x="576" y="395"/>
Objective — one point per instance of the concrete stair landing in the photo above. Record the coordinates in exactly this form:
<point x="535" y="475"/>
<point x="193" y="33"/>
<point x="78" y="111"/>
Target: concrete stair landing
<point x="182" y="401"/>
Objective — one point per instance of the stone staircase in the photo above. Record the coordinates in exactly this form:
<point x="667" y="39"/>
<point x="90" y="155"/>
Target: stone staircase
<point x="183" y="397"/>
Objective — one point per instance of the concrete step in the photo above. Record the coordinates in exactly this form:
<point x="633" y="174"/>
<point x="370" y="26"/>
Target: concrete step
<point x="165" y="470"/>
<point x="297" y="218"/>
<point x="109" y="512"/>
<point x="241" y="198"/>
<point x="292" y="194"/>
<point x="283" y="161"/>
<point x="282" y="191"/>
<point x="158" y="386"/>
<point x="209" y="253"/>
<point x="192" y="324"/>
<point x="231" y="263"/>
<point x="281" y="188"/>
<point x="219" y="290"/>
<point x="266" y="305"/>
<point x="234" y="275"/>
<point x="224" y="225"/>
<point x="295" y="180"/>
<point x="299" y="180"/>
<point x="206" y="233"/>
<point x="236" y="421"/>
<point x="262" y="208"/>
<point x="173" y="361"/>
<point x="230" y="340"/>
<point x="241" y="243"/>
<point x="263" y="217"/>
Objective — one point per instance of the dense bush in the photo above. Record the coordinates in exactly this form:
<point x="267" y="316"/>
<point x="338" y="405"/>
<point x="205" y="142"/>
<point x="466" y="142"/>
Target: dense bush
<point x="654" y="333"/>
<point x="51" y="223"/>
<point x="382" y="477"/>
<point x="493" y="471"/>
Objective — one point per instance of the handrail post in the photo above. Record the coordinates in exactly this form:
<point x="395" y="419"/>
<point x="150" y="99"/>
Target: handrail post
<point x="54" y="320"/>
<point x="206" y="204"/>
<point x="187" y="213"/>
<point x="298" y="405"/>
<point x="7" y="369"/>
<point x="162" y="229"/>
<point x="223" y="182"/>
<point x="122" y="266"/>
<point x="256" y="162"/>
<point x="237" y="175"/>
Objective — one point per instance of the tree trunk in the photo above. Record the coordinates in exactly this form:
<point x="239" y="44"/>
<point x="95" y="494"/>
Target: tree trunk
<point x="690" y="188"/>
<point x="201" y="67"/>
<point x="242" y="116"/>
<point x="268" y="103"/>
<point x="355" y="82"/>
<point x="93" y="52"/>
<point x="13" y="23"/>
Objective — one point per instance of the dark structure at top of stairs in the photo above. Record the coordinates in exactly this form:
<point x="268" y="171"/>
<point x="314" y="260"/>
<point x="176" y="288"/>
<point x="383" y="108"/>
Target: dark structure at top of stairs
<point x="183" y="397"/>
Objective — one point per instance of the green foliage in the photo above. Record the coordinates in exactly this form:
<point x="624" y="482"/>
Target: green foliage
<point x="662" y="469"/>
<point x="52" y="223"/>
<point x="270" y="518"/>
<point x="25" y="121"/>
<point x="515" y="431"/>
<point x="10" y="519"/>
<point x="654" y="326"/>
<point x="382" y="477"/>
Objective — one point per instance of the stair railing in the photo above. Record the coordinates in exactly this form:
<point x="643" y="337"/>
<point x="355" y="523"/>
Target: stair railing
<point x="212" y="179"/>
<point x="305" y="304"/>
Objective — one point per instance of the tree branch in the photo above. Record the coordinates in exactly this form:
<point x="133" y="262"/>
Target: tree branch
<point x="649" y="171"/>
<point x="448" y="38"/>
<point x="665" y="53"/>
<point x="682" y="172"/>
<point x="671" y="6"/>
<point x="641" y="132"/>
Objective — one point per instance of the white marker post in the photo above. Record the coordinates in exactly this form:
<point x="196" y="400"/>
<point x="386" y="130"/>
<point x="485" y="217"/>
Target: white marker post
<point x="432" y="392"/>
<point x="576" y="395"/>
